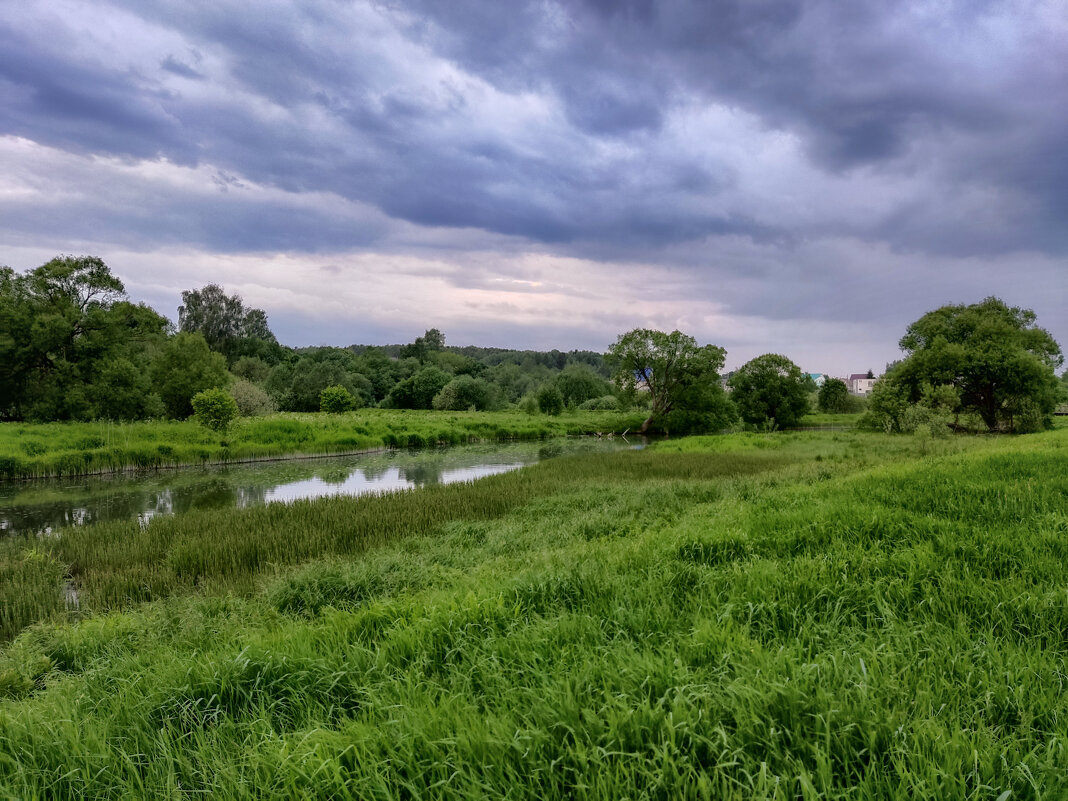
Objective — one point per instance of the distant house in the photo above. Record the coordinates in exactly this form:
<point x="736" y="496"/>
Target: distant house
<point x="861" y="383"/>
<point x="819" y="379"/>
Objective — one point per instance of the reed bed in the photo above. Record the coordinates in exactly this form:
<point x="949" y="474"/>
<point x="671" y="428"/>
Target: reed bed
<point x="761" y="624"/>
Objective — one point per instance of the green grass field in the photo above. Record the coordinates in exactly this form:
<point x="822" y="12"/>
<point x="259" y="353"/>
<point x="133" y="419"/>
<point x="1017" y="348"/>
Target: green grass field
<point x="33" y="450"/>
<point x="787" y="616"/>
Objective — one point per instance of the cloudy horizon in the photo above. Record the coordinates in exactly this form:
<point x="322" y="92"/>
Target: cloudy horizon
<point x="801" y="178"/>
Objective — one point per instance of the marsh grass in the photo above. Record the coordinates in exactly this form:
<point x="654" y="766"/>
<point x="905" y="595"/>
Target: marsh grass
<point x="886" y="621"/>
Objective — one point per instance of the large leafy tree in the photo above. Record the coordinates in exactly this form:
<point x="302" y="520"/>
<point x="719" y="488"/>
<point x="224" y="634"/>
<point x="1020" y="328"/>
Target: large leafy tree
<point x="1000" y="363"/>
<point x="833" y="396"/>
<point x="432" y="341"/>
<point x="72" y="346"/>
<point x="770" y="388"/>
<point x="681" y="377"/>
<point x="16" y="316"/>
<point x="185" y="367"/>
<point x="227" y="325"/>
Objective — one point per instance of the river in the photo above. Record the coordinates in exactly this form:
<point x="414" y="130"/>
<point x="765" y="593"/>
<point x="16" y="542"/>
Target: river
<point x="44" y="506"/>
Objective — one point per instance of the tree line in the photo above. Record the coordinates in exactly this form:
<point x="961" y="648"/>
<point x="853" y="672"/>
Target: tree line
<point x="74" y="347"/>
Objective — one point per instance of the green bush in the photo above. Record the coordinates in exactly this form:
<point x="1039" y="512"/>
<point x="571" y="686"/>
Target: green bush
<point x="336" y="399"/>
<point x="465" y="392"/>
<point x="251" y="400"/>
<point x="550" y="401"/>
<point x="214" y="409"/>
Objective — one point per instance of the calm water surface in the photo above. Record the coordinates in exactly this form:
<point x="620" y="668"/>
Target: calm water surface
<point x="43" y="506"/>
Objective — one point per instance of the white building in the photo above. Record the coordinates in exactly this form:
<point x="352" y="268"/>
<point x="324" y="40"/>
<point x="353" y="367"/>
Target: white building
<point x="860" y="384"/>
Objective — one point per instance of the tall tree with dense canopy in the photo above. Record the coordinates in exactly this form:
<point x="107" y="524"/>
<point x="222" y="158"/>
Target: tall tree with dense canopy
<point x="185" y="367"/>
<point x="770" y="388"/>
<point x="72" y="346"/>
<point x="682" y="378"/>
<point x="833" y="396"/>
<point x="432" y="341"/>
<point x="226" y="324"/>
<point x="1000" y="363"/>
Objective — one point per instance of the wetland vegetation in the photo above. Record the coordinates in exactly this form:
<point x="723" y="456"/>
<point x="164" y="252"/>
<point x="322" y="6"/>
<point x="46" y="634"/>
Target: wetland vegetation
<point x="788" y="615"/>
<point x="37" y="450"/>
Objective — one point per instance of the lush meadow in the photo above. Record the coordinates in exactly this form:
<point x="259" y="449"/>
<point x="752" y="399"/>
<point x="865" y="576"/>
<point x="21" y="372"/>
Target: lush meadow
<point x="30" y="450"/>
<point x="794" y="615"/>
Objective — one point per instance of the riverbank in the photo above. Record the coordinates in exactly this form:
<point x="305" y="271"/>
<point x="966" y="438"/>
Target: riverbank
<point x="47" y="450"/>
<point x="839" y="615"/>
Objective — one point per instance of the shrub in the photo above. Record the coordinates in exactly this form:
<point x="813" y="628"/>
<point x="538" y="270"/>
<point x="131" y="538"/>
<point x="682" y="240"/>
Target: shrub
<point x="465" y="392"/>
<point x="886" y="406"/>
<point x="550" y="401"/>
<point x="251" y="400"/>
<point x="833" y="396"/>
<point x="336" y="399"/>
<point x="214" y="408"/>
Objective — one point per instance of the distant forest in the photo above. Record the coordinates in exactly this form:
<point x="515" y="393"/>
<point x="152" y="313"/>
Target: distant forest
<point x="74" y="347"/>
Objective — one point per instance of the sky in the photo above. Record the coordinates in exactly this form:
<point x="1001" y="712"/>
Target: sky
<point x="804" y="178"/>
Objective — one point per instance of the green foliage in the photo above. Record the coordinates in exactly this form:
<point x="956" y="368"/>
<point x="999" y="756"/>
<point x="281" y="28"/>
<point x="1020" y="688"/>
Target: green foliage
<point x="250" y="399"/>
<point x="214" y="409"/>
<point x="184" y="367"/>
<point x="513" y="382"/>
<point x="1000" y="364"/>
<point x="833" y="396"/>
<point x="123" y="391"/>
<point x="889" y="409"/>
<point x="770" y="389"/>
<point x="466" y="392"/>
<point x="251" y="368"/>
<point x="550" y="401"/>
<point x="677" y="374"/>
<point x="297" y="387"/>
<point x="226" y="324"/>
<point x="431" y="342"/>
<point x="418" y="391"/>
<point x="578" y="383"/>
<point x="336" y="399"/>
<point x="71" y="346"/>
<point x="528" y="404"/>
<point x="887" y="405"/>
<point x="381" y="372"/>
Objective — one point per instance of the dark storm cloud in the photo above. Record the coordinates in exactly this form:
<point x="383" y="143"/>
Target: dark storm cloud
<point x="966" y="100"/>
<point x="864" y="84"/>
<point x="48" y="97"/>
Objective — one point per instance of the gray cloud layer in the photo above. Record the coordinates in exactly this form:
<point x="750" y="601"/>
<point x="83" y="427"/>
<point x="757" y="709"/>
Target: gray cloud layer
<point x="631" y="131"/>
